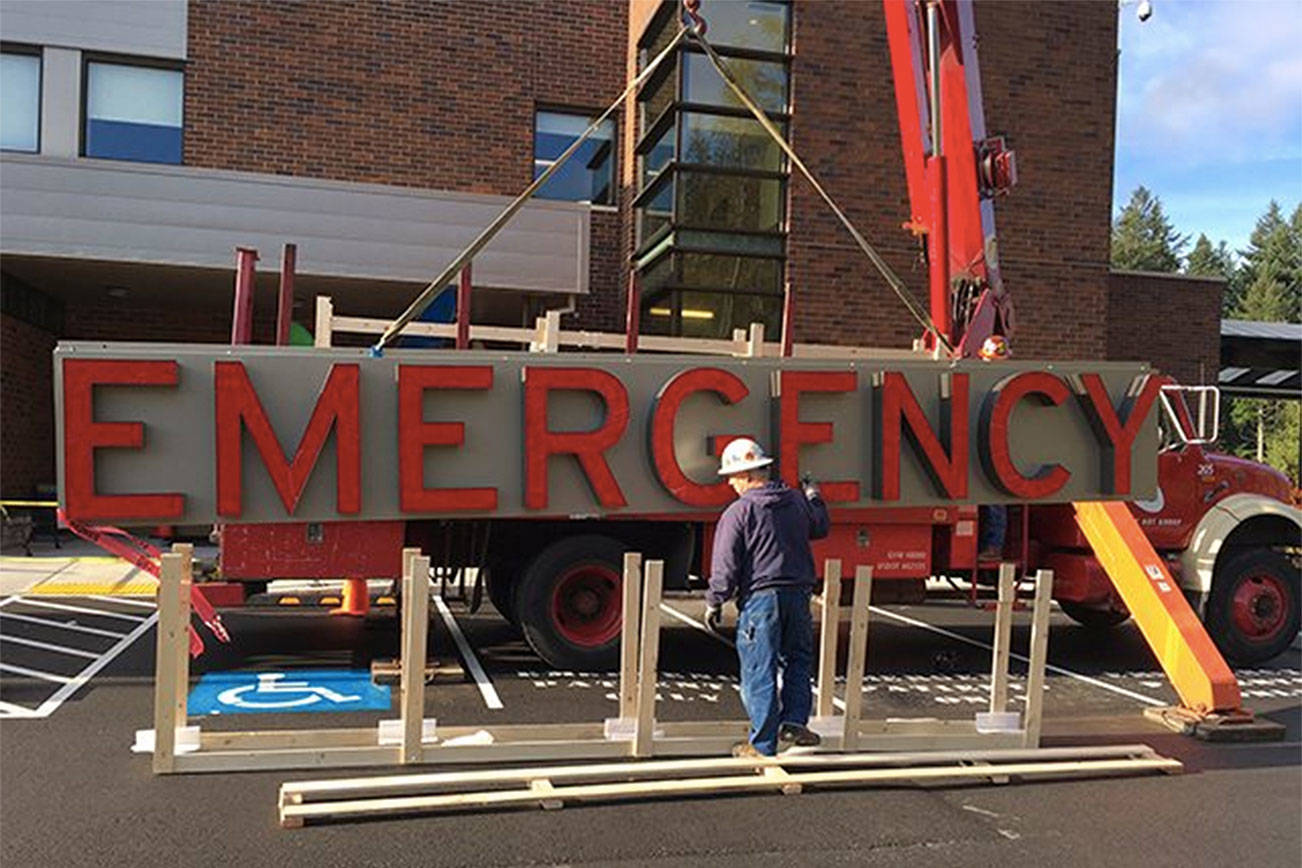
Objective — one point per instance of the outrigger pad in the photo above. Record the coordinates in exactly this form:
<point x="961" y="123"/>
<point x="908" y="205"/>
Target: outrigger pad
<point x="1240" y="726"/>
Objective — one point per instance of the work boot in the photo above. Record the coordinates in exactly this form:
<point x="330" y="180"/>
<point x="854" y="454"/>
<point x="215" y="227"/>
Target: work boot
<point x="795" y="735"/>
<point x="745" y="750"/>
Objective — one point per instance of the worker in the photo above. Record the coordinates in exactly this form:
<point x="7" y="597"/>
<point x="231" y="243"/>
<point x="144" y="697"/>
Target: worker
<point x="762" y="557"/>
<point x="992" y="519"/>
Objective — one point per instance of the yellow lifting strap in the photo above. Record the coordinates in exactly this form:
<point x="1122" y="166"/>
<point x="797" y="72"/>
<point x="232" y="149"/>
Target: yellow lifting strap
<point x="1190" y="660"/>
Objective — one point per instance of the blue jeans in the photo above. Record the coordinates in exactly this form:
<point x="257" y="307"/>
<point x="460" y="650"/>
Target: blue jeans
<point x="993" y="521"/>
<point x="775" y="638"/>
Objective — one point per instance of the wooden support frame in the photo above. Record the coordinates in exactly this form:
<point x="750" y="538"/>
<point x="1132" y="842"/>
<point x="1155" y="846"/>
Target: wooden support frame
<point x="547" y="336"/>
<point x="636" y="733"/>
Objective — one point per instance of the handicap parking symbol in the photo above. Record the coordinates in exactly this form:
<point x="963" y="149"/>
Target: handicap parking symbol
<point x="294" y="691"/>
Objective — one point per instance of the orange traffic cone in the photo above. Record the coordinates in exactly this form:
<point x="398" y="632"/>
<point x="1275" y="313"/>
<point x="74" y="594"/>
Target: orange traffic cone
<point x="357" y="599"/>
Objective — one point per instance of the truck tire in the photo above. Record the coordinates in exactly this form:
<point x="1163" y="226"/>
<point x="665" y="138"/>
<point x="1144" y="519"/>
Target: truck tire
<point x="1253" y="611"/>
<point x="569" y="602"/>
<point x="501" y="593"/>
<point x="1094" y="618"/>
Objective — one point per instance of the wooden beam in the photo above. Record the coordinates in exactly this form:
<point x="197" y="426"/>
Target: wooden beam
<point x="415" y="630"/>
<point x="829" y="624"/>
<point x="1039" y="655"/>
<point x="646" y="678"/>
<point x="170" y="658"/>
<point x="630" y="636"/>
<point x="325" y="314"/>
<point x="1002" y="637"/>
<point x="858" y="656"/>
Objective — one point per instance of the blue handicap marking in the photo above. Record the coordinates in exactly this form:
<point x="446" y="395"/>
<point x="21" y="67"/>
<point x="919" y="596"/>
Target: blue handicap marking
<point x="293" y="691"/>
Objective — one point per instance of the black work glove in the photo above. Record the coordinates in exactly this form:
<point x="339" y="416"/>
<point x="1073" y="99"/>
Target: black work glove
<point x="714" y="618"/>
<point x="810" y="487"/>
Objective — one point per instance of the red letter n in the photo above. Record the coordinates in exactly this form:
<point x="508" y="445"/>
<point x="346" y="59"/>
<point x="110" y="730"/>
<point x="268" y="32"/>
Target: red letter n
<point x="238" y="408"/>
<point x="897" y="413"/>
<point x="540" y="442"/>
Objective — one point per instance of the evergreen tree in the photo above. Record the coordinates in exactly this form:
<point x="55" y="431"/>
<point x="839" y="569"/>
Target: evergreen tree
<point x="1208" y="261"/>
<point x="1270" y="279"/>
<point x="1143" y="239"/>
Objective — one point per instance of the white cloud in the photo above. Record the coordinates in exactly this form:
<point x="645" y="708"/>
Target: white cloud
<point x="1210" y="82"/>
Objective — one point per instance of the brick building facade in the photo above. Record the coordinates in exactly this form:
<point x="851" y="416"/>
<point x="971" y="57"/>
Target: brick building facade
<point x="414" y="98"/>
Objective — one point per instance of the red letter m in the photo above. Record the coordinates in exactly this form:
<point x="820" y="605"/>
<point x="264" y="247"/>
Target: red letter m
<point x="238" y="408"/>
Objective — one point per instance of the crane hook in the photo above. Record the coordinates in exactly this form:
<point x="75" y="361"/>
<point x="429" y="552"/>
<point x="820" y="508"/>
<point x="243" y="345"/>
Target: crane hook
<point x="692" y="9"/>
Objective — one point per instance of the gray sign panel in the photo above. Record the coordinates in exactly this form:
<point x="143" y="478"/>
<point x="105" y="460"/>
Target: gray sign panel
<point x="179" y="429"/>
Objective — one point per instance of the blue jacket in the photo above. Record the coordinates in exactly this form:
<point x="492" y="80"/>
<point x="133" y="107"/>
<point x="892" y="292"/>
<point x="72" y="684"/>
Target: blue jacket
<point x="762" y="541"/>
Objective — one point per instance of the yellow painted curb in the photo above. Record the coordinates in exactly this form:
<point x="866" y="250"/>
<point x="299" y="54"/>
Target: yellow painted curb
<point x="80" y="589"/>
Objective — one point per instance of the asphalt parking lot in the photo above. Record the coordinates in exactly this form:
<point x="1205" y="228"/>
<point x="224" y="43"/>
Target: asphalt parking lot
<point x="73" y="793"/>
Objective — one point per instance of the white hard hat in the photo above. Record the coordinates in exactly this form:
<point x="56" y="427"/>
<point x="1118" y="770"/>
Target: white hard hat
<point x="741" y="455"/>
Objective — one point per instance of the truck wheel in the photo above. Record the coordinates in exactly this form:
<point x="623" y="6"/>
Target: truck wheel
<point x="1253" y="611"/>
<point x="1094" y="618"/>
<point x="501" y="593"/>
<point x="570" y="602"/>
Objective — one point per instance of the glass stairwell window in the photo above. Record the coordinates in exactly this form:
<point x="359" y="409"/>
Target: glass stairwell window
<point x="710" y="207"/>
<point x="133" y="113"/>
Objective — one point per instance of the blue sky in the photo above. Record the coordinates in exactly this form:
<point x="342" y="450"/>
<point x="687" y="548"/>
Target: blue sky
<point x="1209" y="111"/>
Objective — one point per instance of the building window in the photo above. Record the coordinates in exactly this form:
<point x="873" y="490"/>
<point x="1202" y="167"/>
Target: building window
<point x="710" y="211"/>
<point x="20" y="101"/>
<point x="589" y="175"/>
<point x="133" y="112"/>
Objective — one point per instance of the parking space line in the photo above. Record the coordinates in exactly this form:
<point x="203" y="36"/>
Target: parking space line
<point x="126" y="601"/>
<point x="686" y="619"/>
<point x="74" y="684"/>
<point x="486" y="689"/>
<point x="82" y="609"/>
<point x="8" y="709"/>
<point x="958" y="637"/>
<point x="35" y="673"/>
<point x="46" y="622"/>
<point x="76" y="652"/>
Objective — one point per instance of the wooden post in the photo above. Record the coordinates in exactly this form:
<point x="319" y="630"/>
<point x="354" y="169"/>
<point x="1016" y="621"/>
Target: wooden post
<point x="1038" y="658"/>
<point x="755" y="345"/>
<point x="629" y="636"/>
<point x="788" y="320"/>
<point x="855" y="665"/>
<point x="1003" y="636"/>
<point x="171" y="659"/>
<point x="828" y="626"/>
<point x="646" y="677"/>
<point x="415" y="632"/>
<point x="547" y="332"/>
<point x="325" y="314"/>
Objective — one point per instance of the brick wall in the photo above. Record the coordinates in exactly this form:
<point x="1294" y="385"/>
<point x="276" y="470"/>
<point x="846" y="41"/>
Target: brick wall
<point x="411" y="93"/>
<point x="1048" y="76"/>
<point x="26" y="407"/>
<point x="1170" y="320"/>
